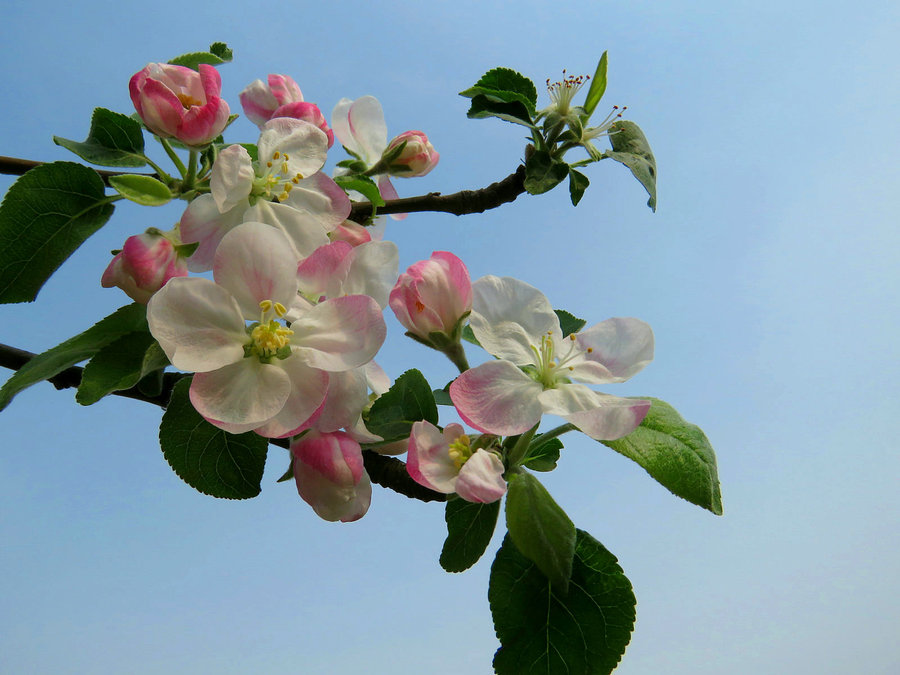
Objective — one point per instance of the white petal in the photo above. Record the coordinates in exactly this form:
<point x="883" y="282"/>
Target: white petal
<point x="600" y="416"/>
<point x="497" y="398"/>
<point x="339" y="334"/>
<point x="256" y="262"/>
<point x="510" y="316"/>
<point x="308" y="387"/>
<point x="197" y="323"/>
<point x="621" y="346"/>
<point x="373" y="271"/>
<point x="304" y="232"/>
<point x="203" y="223"/>
<point x="232" y="177"/>
<point x="245" y="392"/>
<point x="347" y="396"/>
<point x="428" y="461"/>
<point x="305" y="144"/>
<point x="340" y="125"/>
<point x="368" y="128"/>
<point x="321" y="199"/>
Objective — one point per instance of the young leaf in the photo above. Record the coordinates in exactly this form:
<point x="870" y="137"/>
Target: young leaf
<point x="543" y="631"/>
<point x="218" y="54"/>
<point x="365" y="186"/>
<point x="504" y="85"/>
<point x="45" y="216"/>
<point x="630" y="147"/>
<point x="675" y="453"/>
<point x="470" y="527"/>
<point x="216" y="463"/>
<point x="540" y="528"/>
<point x="578" y="183"/>
<point x="542" y="173"/>
<point x="514" y="111"/>
<point x="124" y="320"/>
<point x="598" y="87"/>
<point x="568" y="322"/>
<point x="221" y="50"/>
<point x="114" y="140"/>
<point x="144" y="190"/>
<point x="469" y="335"/>
<point x="119" y="365"/>
<point x="409" y="400"/>
<point x="543" y="454"/>
<point x="442" y="397"/>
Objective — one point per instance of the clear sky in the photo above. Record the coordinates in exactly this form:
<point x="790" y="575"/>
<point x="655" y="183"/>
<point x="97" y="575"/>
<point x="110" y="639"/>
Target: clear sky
<point x="769" y="275"/>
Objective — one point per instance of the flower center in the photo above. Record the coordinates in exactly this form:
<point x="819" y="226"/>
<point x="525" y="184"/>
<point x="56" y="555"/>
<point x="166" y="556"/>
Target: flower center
<point x="562" y="93"/>
<point x="277" y="179"/>
<point x="550" y="365"/>
<point x="603" y="129"/>
<point x="268" y="338"/>
<point x="460" y="450"/>
<point x="188" y="101"/>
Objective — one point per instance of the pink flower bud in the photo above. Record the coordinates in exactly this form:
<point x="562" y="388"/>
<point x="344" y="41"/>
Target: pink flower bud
<point x="281" y="97"/>
<point x="174" y="101"/>
<point x="146" y="262"/>
<point x="330" y="476"/>
<point x="417" y="158"/>
<point x="307" y="112"/>
<point x="433" y="295"/>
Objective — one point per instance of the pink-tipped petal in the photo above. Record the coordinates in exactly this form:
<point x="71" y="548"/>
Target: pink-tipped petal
<point x="204" y="224"/>
<point x="245" y="392"/>
<point x="324" y="271"/>
<point x="303" y="405"/>
<point x="621" y="346"/>
<point x="497" y="398"/>
<point x="600" y="416"/>
<point x="428" y="460"/>
<point x="339" y="334"/>
<point x="481" y="478"/>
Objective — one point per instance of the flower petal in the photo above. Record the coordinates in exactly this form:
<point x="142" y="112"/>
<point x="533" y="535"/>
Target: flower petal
<point x="304" y="233"/>
<point x="373" y="270"/>
<point x="305" y="402"/>
<point x="620" y="346"/>
<point x="481" y="478"/>
<point x="428" y="461"/>
<point x="510" y="316"/>
<point x="203" y="223"/>
<point x="305" y="145"/>
<point x="600" y="416"/>
<point x="256" y="262"/>
<point x="388" y="192"/>
<point x="366" y="120"/>
<point x="232" y="177"/>
<point x="347" y="396"/>
<point x="324" y="271"/>
<point x="243" y="393"/>
<point x="339" y="334"/>
<point x="497" y="398"/>
<point x="197" y="323"/>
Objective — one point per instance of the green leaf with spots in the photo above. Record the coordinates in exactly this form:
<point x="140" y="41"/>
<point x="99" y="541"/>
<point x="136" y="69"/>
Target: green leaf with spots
<point x="216" y="463"/>
<point x="143" y="190"/>
<point x="540" y="528"/>
<point x="409" y="400"/>
<point x="120" y="365"/>
<point x="45" y="216"/>
<point x="123" y="321"/>
<point x="114" y="140"/>
<point x="676" y="453"/>
<point x="543" y="631"/>
<point x="470" y="527"/>
<point x="630" y="147"/>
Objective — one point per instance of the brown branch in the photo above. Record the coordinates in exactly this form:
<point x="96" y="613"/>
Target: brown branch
<point x="13" y="166"/>
<point x="388" y="472"/>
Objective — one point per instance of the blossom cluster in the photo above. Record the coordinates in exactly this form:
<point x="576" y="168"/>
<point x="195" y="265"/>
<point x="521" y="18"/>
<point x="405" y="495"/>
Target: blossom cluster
<point x="281" y="339"/>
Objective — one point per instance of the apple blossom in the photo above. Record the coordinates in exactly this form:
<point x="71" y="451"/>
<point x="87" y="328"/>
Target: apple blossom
<point x="433" y="296"/>
<point x="309" y="204"/>
<point x="330" y="476"/>
<point x="265" y="376"/>
<point x="144" y="265"/>
<point x="449" y="461"/>
<point x="179" y="102"/>
<point x="536" y="365"/>
<point x="417" y="157"/>
<point x="338" y="269"/>
<point x="281" y="97"/>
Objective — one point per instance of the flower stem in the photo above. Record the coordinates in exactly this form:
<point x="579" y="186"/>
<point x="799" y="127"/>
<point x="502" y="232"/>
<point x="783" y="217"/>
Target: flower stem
<point x="457" y="355"/>
<point x="176" y="160"/>
<point x="188" y="182"/>
<point x="520" y="449"/>
<point x="558" y="431"/>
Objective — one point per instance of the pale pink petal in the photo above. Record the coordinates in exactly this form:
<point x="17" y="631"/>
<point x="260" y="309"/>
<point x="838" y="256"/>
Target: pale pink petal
<point x="510" y="317"/>
<point x="367" y="126"/>
<point x="377" y="378"/>
<point x="232" y="177"/>
<point x="339" y="334"/>
<point x="347" y="396"/>
<point x="428" y="461"/>
<point x="619" y="346"/>
<point x="305" y="145"/>
<point x="497" y="398"/>
<point x="388" y="192"/>
<point x="600" y="416"/>
<point x="340" y="124"/>
<point x="203" y="223"/>
<point x="305" y="402"/>
<point x="256" y="262"/>
<point x="330" y="477"/>
<point x="304" y="233"/>
<point x="197" y="323"/>
<point x="332" y="502"/>
<point x="258" y="102"/>
<point x="243" y="393"/>
<point x="321" y="199"/>
<point x="481" y="478"/>
<point x="324" y="271"/>
<point x="284" y="89"/>
<point x="373" y="270"/>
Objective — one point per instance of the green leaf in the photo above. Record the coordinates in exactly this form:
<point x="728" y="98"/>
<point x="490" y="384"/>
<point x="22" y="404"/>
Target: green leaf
<point x="542" y="173"/>
<point x="124" y="320"/>
<point x="568" y="322"/>
<point x="598" y="87"/>
<point x="543" y="454"/>
<point x="504" y="85"/>
<point x="409" y="400"/>
<point x="545" y="632"/>
<point x="44" y="217"/>
<point x="469" y="335"/>
<point x="442" y="397"/>
<point x="144" y="190"/>
<point x="218" y="54"/>
<point x="514" y="112"/>
<point x="470" y="527"/>
<point x="540" y="528"/>
<point x="578" y="183"/>
<point x="119" y="365"/>
<point x="630" y="147"/>
<point x="365" y="186"/>
<point x="675" y="453"/>
<point x="114" y="140"/>
<point x="212" y="461"/>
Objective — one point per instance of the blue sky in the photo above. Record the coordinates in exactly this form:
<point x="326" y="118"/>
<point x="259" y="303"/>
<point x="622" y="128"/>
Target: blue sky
<point x="768" y="273"/>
